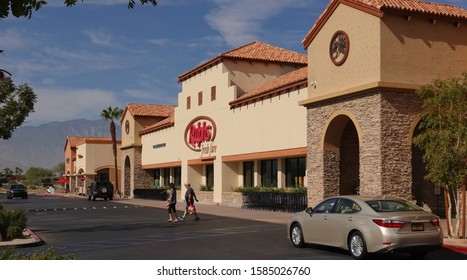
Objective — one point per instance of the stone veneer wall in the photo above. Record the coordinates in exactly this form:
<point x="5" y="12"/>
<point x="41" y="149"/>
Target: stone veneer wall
<point x="384" y="118"/>
<point x="139" y="178"/>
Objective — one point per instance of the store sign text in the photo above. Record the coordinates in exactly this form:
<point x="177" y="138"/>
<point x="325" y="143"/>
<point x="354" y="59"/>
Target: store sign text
<point x="199" y="131"/>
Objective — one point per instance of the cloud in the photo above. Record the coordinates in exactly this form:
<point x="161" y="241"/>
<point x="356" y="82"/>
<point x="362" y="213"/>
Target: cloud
<point x="240" y="21"/>
<point x="99" y="37"/>
<point x="64" y="104"/>
<point x="158" y="42"/>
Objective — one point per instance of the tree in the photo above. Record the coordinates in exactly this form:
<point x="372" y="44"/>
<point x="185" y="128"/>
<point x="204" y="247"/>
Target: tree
<point x="16" y="103"/>
<point x="443" y="139"/>
<point x="36" y="175"/>
<point x="111" y="114"/>
<point x="24" y="8"/>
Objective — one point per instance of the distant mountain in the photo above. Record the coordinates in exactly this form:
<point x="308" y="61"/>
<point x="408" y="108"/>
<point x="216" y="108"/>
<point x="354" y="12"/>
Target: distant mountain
<point x="43" y="146"/>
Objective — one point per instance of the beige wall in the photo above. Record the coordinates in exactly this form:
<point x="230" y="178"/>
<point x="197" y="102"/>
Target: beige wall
<point x="363" y="62"/>
<point x="276" y="123"/>
<point x="391" y="52"/>
<point x="132" y="138"/>
<point x="418" y="51"/>
<point x="95" y="157"/>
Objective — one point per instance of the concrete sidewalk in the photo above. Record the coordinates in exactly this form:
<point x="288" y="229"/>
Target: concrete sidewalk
<point x="232" y="211"/>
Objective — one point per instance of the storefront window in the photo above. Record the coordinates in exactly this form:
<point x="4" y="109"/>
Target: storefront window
<point x="210" y="175"/>
<point x="269" y="173"/>
<point x="166" y="176"/>
<point x="157" y="177"/>
<point x="177" y="176"/>
<point x="295" y="171"/>
<point x="248" y="173"/>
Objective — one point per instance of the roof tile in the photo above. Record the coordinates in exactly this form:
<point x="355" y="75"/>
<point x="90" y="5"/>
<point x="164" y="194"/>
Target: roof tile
<point x="377" y="7"/>
<point x="285" y="82"/>
<point x="254" y="51"/>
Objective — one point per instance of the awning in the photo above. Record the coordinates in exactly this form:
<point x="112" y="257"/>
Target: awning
<point x="63" y="180"/>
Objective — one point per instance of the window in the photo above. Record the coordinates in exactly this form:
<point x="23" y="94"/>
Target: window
<point x="248" y="173"/>
<point x="347" y="206"/>
<point x="166" y="174"/>
<point x="295" y="171"/>
<point x="325" y="206"/>
<point x="188" y="103"/>
<point x="157" y="178"/>
<point x="200" y="98"/>
<point x="269" y="172"/>
<point x="210" y="175"/>
<point x="213" y="93"/>
<point x="177" y="176"/>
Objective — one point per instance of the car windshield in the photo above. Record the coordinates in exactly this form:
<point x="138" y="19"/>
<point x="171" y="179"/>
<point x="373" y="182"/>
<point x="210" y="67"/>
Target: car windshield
<point x="392" y="206"/>
<point x="17" y="187"/>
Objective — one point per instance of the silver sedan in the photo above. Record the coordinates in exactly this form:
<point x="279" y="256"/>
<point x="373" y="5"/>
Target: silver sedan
<point x="367" y="224"/>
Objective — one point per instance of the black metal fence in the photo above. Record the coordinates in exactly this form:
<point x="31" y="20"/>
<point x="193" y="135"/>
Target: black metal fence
<point x="274" y="201"/>
<point x="156" y="194"/>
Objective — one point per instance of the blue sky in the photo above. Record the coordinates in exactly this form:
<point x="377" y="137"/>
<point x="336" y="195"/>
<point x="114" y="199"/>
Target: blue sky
<point x="83" y="59"/>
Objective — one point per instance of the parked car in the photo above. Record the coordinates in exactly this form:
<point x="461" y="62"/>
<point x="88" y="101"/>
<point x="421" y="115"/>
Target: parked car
<point x="17" y="190"/>
<point x="367" y="224"/>
<point x="103" y="190"/>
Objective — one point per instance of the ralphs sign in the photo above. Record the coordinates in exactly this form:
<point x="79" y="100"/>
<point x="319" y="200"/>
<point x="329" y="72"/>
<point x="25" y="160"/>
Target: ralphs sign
<point x="200" y="130"/>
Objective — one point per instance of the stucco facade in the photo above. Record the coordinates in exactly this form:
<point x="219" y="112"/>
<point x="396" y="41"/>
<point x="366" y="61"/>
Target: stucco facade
<point x="265" y="128"/>
<point x="362" y="113"/>
<point x="90" y="159"/>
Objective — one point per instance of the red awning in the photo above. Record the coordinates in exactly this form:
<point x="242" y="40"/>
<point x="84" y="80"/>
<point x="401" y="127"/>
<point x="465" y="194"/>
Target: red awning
<point x="63" y="180"/>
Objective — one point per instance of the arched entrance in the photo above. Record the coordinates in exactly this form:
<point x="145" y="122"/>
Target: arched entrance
<point x="341" y="152"/>
<point x="127" y="177"/>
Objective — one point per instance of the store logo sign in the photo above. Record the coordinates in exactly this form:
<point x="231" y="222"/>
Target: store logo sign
<point x="200" y="130"/>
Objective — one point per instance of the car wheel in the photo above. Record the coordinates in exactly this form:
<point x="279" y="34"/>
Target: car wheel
<point x="357" y="246"/>
<point x="296" y="235"/>
<point x="93" y="197"/>
<point x="89" y="197"/>
<point x="111" y="197"/>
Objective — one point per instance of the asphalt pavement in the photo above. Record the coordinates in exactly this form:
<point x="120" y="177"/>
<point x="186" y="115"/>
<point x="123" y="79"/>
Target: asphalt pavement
<point x="233" y="211"/>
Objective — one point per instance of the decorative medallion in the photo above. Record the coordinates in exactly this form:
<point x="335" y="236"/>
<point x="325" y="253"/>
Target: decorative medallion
<point x="339" y="47"/>
<point x="127" y="126"/>
<point x="200" y="130"/>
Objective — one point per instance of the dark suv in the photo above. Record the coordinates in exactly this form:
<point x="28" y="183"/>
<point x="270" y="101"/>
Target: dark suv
<point x="103" y="190"/>
<point x="17" y="191"/>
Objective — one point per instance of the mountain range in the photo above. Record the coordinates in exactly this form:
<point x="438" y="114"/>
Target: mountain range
<point x="43" y="145"/>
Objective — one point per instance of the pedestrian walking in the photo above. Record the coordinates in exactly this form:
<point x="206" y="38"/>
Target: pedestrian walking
<point x="171" y="202"/>
<point x="190" y="198"/>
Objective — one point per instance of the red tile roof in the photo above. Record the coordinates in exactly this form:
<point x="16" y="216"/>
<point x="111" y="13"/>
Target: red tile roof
<point x="255" y="52"/>
<point x="78" y="140"/>
<point x="165" y="123"/>
<point x="379" y="7"/>
<point x="149" y="110"/>
<point x="288" y="82"/>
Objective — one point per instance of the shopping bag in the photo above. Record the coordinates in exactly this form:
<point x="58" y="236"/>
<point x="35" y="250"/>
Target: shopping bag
<point x="191" y="209"/>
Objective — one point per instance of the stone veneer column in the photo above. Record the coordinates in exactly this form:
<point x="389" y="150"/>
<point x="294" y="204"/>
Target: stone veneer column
<point x="139" y="178"/>
<point x="385" y="154"/>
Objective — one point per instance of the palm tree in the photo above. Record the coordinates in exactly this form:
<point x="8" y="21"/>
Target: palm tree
<point x="111" y="114"/>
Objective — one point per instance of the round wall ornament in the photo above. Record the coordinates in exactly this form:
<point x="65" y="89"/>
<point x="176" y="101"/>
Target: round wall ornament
<point x="339" y="47"/>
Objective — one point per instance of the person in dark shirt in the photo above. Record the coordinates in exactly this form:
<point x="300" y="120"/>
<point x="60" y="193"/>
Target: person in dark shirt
<point x="190" y="198"/>
<point x="171" y="202"/>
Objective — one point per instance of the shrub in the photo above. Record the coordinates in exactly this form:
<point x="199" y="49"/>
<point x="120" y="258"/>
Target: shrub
<point x="42" y="254"/>
<point x="206" y="188"/>
<point x="12" y="223"/>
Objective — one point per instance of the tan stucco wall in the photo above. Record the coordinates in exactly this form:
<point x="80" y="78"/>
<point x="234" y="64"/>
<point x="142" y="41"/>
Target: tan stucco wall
<point x="96" y="157"/>
<point x="363" y="62"/>
<point x="390" y="52"/>
<point x="418" y="51"/>
<point x="276" y="123"/>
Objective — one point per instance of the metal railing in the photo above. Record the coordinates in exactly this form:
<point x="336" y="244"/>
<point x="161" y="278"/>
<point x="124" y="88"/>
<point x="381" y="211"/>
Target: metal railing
<point x="273" y="201"/>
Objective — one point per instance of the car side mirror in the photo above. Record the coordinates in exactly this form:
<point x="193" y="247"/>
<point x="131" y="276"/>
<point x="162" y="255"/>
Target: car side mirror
<point x="309" y="210"/>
